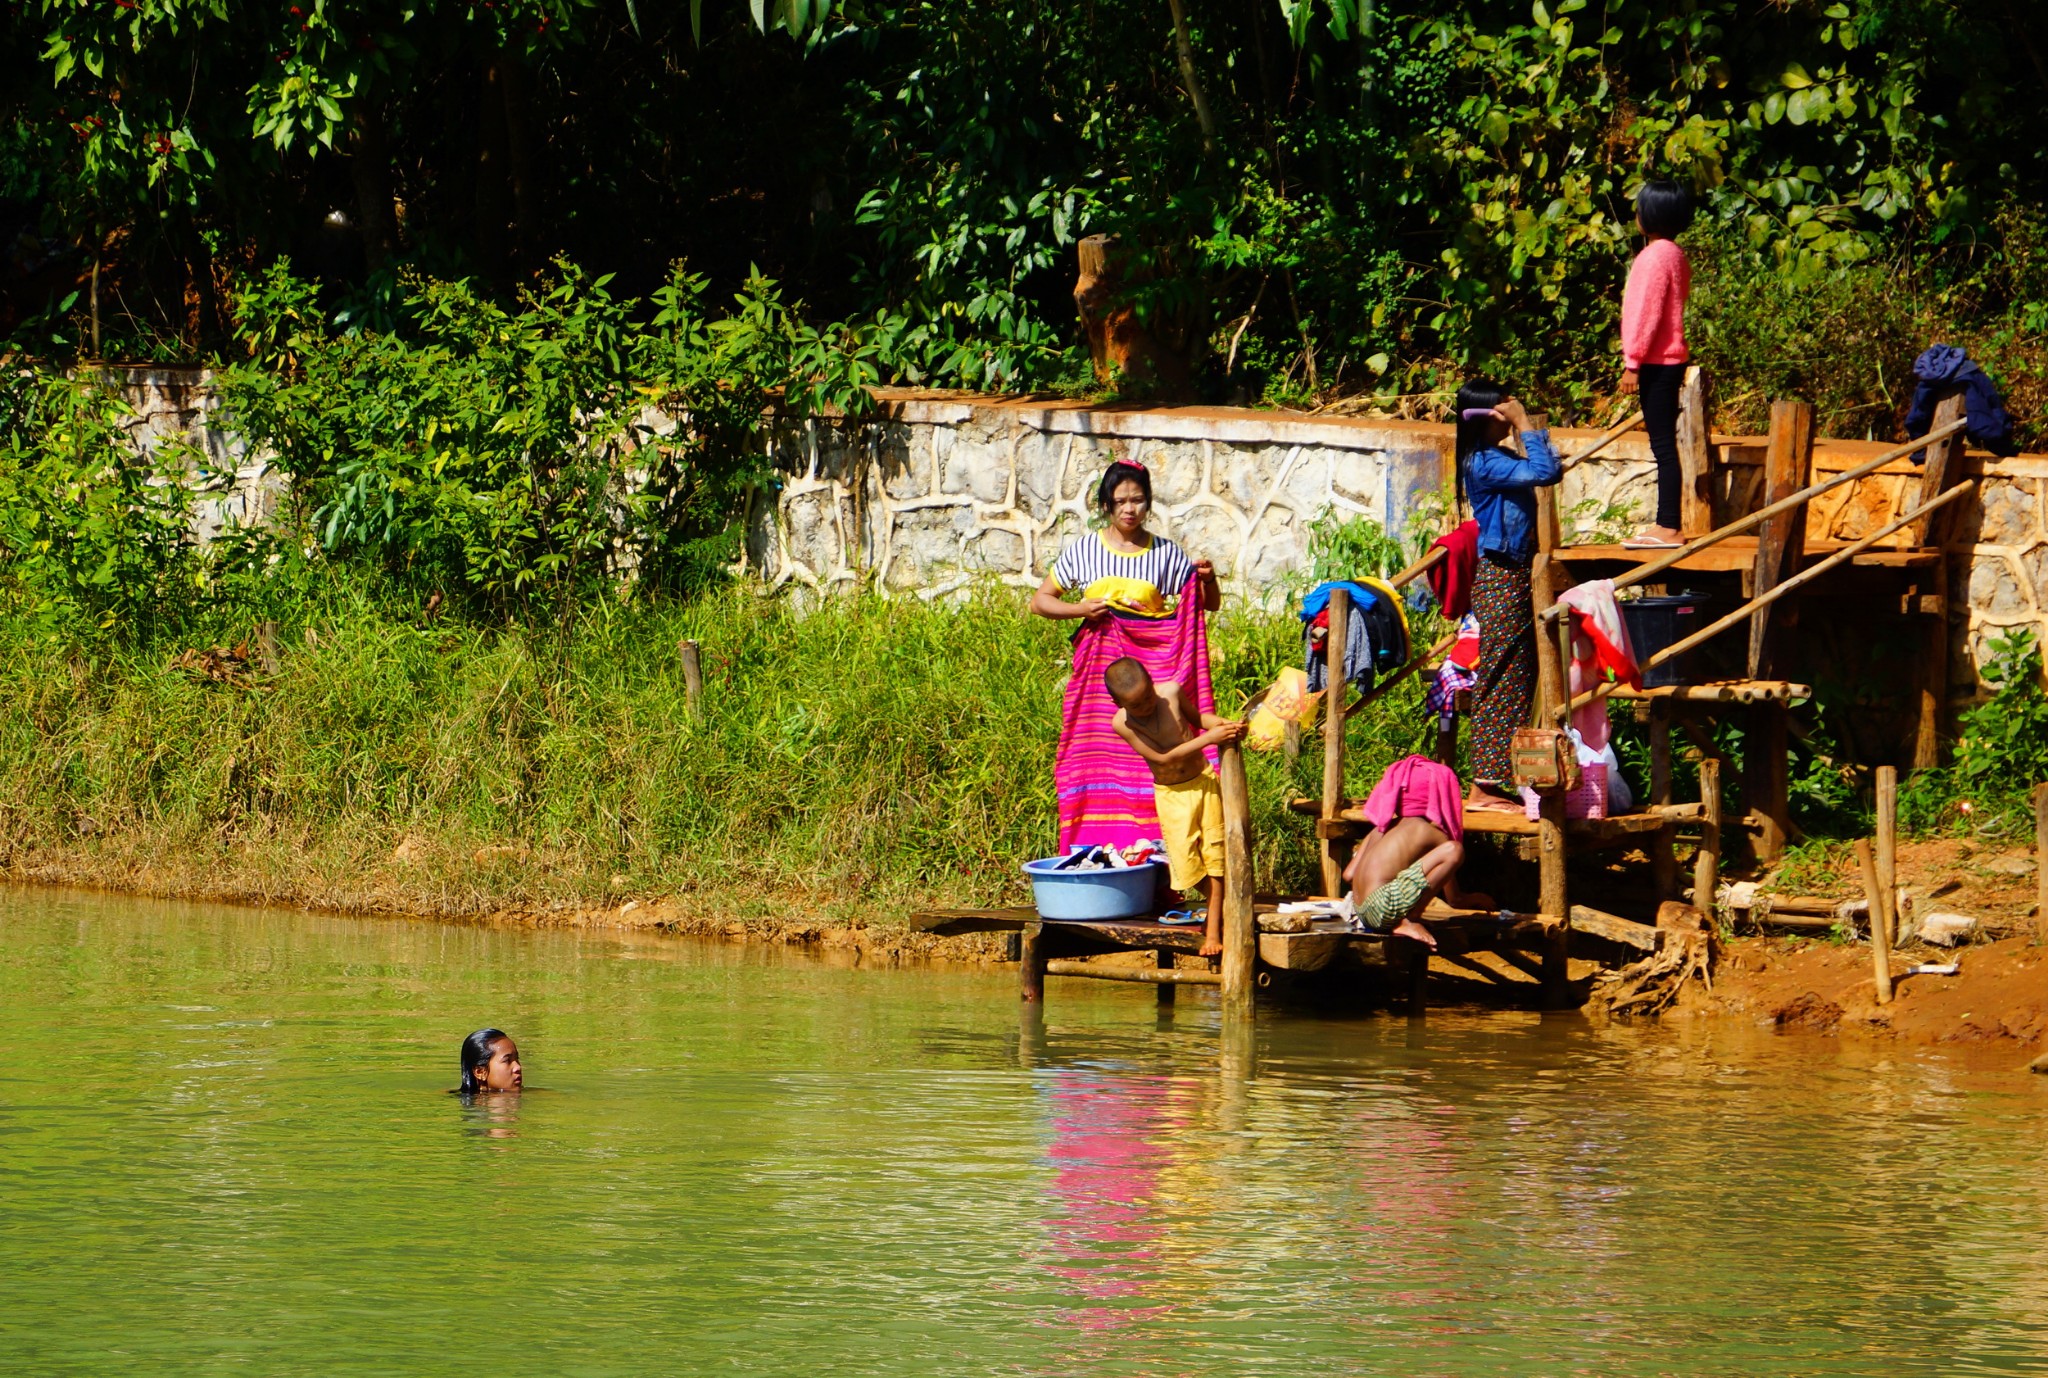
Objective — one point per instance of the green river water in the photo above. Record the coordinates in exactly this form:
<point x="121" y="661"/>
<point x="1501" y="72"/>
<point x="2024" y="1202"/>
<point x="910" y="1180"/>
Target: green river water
<point x="226" y="1148"/>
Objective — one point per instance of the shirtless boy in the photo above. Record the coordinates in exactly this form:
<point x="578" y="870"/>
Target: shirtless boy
<point x="1399" y="869"/>
<point x="1160" y="727"/>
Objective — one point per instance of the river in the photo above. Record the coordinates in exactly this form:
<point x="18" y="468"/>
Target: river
<point x="226" y="1148"/>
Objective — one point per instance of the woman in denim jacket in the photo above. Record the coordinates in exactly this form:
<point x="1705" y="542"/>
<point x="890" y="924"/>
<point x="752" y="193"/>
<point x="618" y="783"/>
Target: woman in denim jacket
<point x="1502" y="487"/>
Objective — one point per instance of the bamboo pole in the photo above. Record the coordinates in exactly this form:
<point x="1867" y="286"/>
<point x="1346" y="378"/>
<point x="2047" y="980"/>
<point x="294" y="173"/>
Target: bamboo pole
<point x="1607" y="437"/>
<point x="1414" y="663"/>
<point x="1436" y="556"/>
<point x="2041" y="861"/>
<point x="1663" y="562"/>
<point x="1880" y="941"/>
<point x="1706" y="864"/>
<point x="1333" y="734"/>
<point x="1846" y="553"/>
<point x="1166" y="978"/>
<point x="1887" y="849"/>
<point x="693" y="678"/>
<point x="1240" y="933"/>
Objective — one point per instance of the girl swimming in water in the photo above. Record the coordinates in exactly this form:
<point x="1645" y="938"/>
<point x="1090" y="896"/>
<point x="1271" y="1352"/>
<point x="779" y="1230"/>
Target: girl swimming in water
<point x="490" y="1062"/>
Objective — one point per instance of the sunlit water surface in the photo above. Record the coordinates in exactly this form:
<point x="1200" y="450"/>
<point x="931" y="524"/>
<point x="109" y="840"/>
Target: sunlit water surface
<point x="225" y="1148"/>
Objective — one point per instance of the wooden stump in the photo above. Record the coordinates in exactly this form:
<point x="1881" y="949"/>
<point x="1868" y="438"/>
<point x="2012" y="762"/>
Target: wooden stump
<point x="1151" y="359"/>
<point x="1240" y="933"/>
<point x="1706" y="866"/>
<point x="1334" y="850"/>
<point x="1031" y="964"/>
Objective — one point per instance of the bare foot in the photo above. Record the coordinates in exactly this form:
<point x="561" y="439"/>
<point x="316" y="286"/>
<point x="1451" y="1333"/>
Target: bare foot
<point x="1410" y="929"/>
<point x="1489" y="802"/>
<point x="1211" y="948"/>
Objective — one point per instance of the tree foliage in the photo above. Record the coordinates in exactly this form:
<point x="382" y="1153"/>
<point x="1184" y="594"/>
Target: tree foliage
<point x="1354" y="194"/>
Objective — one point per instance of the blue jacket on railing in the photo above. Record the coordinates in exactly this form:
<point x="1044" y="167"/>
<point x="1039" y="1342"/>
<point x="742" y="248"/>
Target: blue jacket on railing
<point x="1945" y="367"/>
<point x="1502" y="487"/>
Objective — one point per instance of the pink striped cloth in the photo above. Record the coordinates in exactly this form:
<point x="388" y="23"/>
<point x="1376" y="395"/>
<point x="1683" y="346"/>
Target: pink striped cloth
<point x="1104" y="787"/>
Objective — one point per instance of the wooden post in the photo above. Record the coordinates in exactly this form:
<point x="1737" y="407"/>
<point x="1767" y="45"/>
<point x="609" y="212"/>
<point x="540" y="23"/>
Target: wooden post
<point x="1663" y="851"/>
<point x="1031" y="963"/>
<point x="1887" y="849"/>
<point x="1554" y="903"/>
<point x="1933" y="673"/>
<point x="1163" y="959"/>
<point x="1764" y="786"/>
<point x="2041" y="862"/>
<point x="266" y="647"/>
<point x="1543" y="581"/>
<point x="1706" y="866"/>
<point x="1333" y="738"/>
<point x="1240" y="936"/>
<point x="1418" y="981"/>
<point x="1942" y="467"/>
<point x="1880" y="941"/>
<point x="1695" y="456"/>
<point x="1780" y="546"/>
<point x="693" y="678"/>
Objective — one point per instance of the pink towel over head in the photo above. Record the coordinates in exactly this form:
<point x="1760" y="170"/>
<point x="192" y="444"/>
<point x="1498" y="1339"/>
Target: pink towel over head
<point x="1417" y="787"/>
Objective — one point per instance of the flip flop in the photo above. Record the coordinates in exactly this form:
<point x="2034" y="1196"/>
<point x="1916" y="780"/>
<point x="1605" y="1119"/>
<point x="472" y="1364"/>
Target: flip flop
<point x="1650" y="543"/>
<point x="1180" y="918"/>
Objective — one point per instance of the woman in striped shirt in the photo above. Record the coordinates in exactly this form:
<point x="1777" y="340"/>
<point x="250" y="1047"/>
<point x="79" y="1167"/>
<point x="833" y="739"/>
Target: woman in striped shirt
<point x="1123" y="567"/>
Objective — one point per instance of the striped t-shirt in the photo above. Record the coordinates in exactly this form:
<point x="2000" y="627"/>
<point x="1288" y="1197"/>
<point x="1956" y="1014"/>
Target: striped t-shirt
<point x="1162" y="564"/>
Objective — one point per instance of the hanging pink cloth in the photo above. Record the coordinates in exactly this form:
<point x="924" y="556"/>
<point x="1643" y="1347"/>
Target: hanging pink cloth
<point x="1104" y="787"/>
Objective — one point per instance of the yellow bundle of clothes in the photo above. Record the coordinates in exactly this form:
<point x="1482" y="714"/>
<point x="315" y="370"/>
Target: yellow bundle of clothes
<point x="1288" y="700"/>
<point x="1128" y="595"/>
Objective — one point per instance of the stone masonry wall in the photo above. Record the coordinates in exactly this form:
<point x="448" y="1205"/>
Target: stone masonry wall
<point x="943" y="491"/>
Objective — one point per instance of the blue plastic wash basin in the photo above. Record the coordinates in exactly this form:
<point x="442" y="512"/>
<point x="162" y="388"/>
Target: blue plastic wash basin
<point x="1106" y="894"/>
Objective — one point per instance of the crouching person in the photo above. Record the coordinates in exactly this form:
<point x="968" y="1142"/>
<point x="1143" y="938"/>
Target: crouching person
<point x="1171" y="735"/>
<point x="1413" y="853"/>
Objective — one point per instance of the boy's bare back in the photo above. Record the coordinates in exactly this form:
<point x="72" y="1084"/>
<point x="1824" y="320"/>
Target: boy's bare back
<point x="1164" y="728"/>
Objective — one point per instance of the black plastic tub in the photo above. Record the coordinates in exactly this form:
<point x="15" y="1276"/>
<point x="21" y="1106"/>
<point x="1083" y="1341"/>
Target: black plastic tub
<point x="1654" y="623"/>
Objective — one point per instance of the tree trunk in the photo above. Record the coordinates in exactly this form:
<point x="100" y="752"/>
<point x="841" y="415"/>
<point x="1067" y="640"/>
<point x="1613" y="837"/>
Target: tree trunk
<point x="369" y="168"/>
<point x="491" y="210"/>
<point x="519" y="163"/>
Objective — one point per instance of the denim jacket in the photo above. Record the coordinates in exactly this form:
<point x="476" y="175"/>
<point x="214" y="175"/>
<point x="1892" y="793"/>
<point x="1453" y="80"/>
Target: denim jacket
<point x="1502" y="487"/>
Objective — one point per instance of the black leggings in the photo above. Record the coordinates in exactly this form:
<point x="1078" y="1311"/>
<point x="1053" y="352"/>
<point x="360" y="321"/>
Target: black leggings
<point x="1658" y="384"/>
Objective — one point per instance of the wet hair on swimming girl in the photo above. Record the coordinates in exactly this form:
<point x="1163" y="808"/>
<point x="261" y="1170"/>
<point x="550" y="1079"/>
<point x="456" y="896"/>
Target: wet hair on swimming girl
<point x="1113" y="478"/>
<point x="476" y="1053"/>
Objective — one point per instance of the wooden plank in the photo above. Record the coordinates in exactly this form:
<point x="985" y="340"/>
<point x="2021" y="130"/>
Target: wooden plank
<point x="1943" y="467"/>
<point x="1788" y="469"/>
<point x="1695" y="456"/>
<point x="1301" y="951"/>
<point x="1127" y="933"/>
<point x="951" y="922"/>
<point x="1151" y="976"/>
<point x="1615" y="929"/>
<point x="1333" y="852"/>
<point x="1240" y="935"/>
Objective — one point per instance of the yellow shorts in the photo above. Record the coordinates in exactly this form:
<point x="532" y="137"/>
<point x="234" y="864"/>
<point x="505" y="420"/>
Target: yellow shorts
<point x="1191" y="825"/>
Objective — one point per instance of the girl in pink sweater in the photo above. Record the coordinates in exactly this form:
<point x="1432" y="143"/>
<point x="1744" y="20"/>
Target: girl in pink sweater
<point x="1653" y="351"/>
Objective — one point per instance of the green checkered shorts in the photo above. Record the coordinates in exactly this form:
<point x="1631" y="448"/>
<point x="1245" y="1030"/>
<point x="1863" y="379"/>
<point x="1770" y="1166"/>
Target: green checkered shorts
<point x="1398" y="899"/>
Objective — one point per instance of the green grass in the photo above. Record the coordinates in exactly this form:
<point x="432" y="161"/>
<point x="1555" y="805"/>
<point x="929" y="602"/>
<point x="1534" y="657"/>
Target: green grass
<point x="864" y="755"/>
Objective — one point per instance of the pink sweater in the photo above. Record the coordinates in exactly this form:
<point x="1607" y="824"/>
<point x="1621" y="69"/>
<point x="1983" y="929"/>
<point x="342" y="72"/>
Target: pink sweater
<point x="1653" y="306"/>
